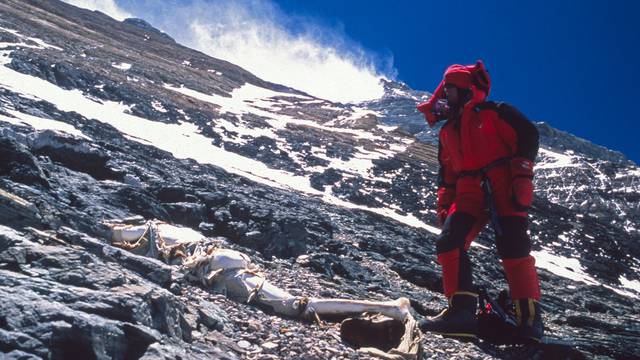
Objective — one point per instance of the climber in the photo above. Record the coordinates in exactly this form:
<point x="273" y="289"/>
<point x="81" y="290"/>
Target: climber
<point x="486" y="154"/>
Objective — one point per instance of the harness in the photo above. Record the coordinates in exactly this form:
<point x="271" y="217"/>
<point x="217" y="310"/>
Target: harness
<point x="485" y="184"/>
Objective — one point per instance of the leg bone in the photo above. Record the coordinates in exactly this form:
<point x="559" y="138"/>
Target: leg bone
<point x="396" y="309"/>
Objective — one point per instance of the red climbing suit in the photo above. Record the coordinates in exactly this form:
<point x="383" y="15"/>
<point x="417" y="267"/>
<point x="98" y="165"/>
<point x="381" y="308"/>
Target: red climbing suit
<point x="493" y="140"/>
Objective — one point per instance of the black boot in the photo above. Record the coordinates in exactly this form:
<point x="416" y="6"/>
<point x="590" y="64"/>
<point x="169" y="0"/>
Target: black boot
<point x="459" y="320"/>
<point x="529" y="317"/>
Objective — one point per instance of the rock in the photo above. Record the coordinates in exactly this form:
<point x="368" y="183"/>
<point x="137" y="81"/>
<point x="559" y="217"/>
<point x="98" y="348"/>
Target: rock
<point x="132" y="180"/>
<point x="148" y="28"/>
<point x="139" y="338"/>
<point x="387" y="164"/>
<point x="419" y="275"/>
<point x="207" y="229"/>
<point x="597" y="307"/>
<point x="288" y="239"/>
<point x="339" y="151"/>
<point x="24" y="343"/>
<point x="212" y="316"/>
<point x="243" y="344"/>
<point x="328" y="177"/>
<point x="175" y="288"/>
<point x="269" y="346"/>
<point x="188" y="214"/>
<point x="75" y="153"/>
<point x="262" y="215"/>
<point x="17" y="163"/>
<point x="330" y="265"/>
<point x="66" y="292"/>
<point x="150" y="269"/>
<point x="213" y="199"/>
<point x="18" y="212"/>
<point x="239" y="211"/>
<point x="236" y="230"/>
<point x="170" y="194"/>
<point x="221" y="218"/>
<point x="140" y="202"/>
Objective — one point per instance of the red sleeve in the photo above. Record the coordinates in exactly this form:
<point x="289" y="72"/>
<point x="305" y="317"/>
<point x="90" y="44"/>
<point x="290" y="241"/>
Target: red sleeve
<point x="426" y="107"/>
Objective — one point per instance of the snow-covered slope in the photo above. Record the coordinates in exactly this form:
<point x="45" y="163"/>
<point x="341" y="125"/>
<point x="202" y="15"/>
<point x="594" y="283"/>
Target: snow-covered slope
<point x="144" y="126"/>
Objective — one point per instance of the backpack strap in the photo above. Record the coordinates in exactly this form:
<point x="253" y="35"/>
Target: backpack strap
<point x="487" y="105"/>
<point x="526" y="133"/>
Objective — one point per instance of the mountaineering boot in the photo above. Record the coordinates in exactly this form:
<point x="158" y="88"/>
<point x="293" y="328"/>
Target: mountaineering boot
<point x="458" y="320"/>
<point x="529" y="318"/>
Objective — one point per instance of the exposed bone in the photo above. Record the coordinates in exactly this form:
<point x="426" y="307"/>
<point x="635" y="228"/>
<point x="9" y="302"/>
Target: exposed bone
<point x="231" y="272"/>
<point x="245" y="283"/>
<point x="396" y="309"/>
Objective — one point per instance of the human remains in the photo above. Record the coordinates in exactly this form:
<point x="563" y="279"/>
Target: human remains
<point x="231" y="273"/>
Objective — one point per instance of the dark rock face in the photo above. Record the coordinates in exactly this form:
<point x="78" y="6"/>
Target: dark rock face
<point x="560" y="140"/>
<point x="66" y="293"/>
<point x="328" y="177"/>
<point x="60" y="302"/>
<point x="146" y="27"/>
<point x="19" y="165"/>
<point x="74" y="154"/>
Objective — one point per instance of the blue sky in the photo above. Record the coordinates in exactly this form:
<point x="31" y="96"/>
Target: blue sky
<point x="573" y="64"/>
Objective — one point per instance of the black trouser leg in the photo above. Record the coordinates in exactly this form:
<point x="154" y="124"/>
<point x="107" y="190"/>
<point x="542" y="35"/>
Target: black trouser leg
<point x="456" y="266"/>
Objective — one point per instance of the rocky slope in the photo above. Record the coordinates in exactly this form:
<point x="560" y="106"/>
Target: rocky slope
<point x="102" y="120"/>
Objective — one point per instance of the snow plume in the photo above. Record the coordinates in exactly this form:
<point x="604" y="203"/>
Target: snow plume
<point x="295" y="51"/>
<point x="108" y="7"/>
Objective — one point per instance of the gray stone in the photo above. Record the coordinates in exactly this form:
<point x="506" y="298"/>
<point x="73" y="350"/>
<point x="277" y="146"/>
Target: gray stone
<point x="212" y="316"/>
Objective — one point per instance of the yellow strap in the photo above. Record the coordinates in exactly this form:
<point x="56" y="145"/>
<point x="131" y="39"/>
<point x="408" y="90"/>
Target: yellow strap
<point x="532" y="312"/>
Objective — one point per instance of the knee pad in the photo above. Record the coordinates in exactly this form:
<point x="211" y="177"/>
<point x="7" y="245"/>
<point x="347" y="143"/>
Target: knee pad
<point x="514" y="242"/>
<point x="455" y="232"/>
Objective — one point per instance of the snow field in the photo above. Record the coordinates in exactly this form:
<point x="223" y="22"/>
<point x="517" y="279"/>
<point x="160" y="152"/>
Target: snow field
<point x="182" y="140"/>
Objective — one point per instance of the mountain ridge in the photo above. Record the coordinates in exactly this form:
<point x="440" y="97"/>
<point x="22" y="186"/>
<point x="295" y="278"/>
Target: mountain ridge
<point x="332" y="193"/>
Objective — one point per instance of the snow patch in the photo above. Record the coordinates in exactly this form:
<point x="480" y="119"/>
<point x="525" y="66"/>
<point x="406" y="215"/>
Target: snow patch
<point x="562" y="266"/>
<point x="572" y="269"/>
<point x="387" y="128"/>
<point x="157" y="105"/>
<point x="254" y="99"/>
<point x="630" y="284"/>
<point x="243" y="131"/>
<point x="41" y="44"/>
<point x="552" y="160"/>
<point x="39" y="123"/>
<point x="122" y="66"/>
<point x="386" y="212"/>
<point x="182" y="140"/>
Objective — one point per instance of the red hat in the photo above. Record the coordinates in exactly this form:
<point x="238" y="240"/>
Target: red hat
<point x="458" y="75"/>
<point x="463" y="77"/>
